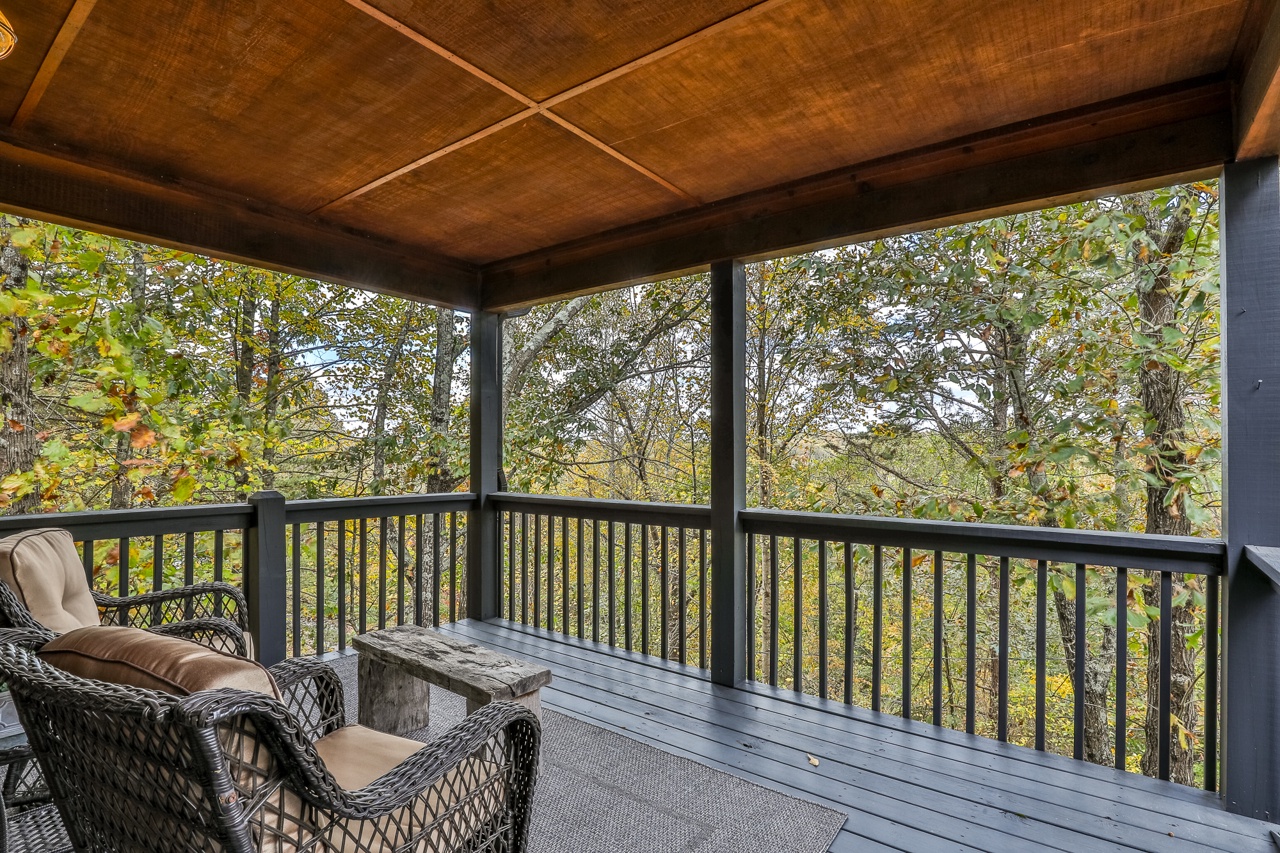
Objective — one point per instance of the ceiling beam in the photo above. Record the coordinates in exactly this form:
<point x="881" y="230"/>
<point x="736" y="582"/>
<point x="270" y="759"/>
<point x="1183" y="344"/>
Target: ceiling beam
<point x="52" y="60"/>
<point x="1126" y="145"/>
<point x="1258" y="98"/>
<point x="57" y="189"/>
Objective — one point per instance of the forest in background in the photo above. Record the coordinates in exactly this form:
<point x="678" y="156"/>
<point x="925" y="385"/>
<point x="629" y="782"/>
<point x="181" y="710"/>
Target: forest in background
<point x="1058" y="368"/>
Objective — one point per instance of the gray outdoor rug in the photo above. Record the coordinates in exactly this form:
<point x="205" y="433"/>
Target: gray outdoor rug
<point x="601" y="792"/>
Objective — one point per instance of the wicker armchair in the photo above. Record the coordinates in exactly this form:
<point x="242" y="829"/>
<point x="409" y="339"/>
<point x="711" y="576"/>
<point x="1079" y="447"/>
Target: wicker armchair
<point x="230" y="770"/>
<point x="212" y="614"/>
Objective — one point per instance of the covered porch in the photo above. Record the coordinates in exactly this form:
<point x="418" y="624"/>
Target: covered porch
<point x="497" y="157"/>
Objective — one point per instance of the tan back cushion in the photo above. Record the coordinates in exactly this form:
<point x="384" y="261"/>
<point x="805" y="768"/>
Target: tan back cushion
<point x="139" y="658"/>
<point x="44" y="571"/>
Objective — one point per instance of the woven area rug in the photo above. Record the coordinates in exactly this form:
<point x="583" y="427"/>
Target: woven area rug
<point x="601" y="792"/>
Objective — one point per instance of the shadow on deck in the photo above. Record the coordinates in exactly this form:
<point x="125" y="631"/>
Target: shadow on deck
<point x="905" y="785"/>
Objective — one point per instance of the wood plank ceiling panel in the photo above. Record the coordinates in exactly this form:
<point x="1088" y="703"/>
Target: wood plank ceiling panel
<point x="814" y="85"/>
<point x="291" y="103"/>
<point x="523" y="187"/>
<point x="542" y="49"/>
<point x="37" y="25"/>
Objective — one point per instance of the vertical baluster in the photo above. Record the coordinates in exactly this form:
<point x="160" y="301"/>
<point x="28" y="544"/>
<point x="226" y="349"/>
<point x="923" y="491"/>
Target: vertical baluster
<point x="189" y="559"/>
<point x="752" y="595"/>
<point x="626" y="592"/>
<point x="123" y="584"/>
<point x="664" y="596"/>
<point x="682" y="615"/>
<point x="401" y="537"/>
<point x="565" y="584"/>
<point x="157" y="575"/>
<point x="437" y="567"/>
<point x="1042" y="617"/>
<point x="1122" y="666"/>
<point x="297" y="590"/>
<point x="511" y="566"/>
<point x="1002" y="721"/>
<point x="157" y="562"/>
<point x="823" y="616"/>
<point x="581" y="585"/>
<point x="595" y="580"/>
<point x="775" y="604"/>
<point x="320" y="594"/>
<point x="1166" y="672"/>
<point x="1081" y="658"/>
<point x="877" y="625"/>
<point x="907" y="596"/>
<point x="524" y="568"/>
<point x="342" y="582"/>
<point x="419" y="616"/>
<point x="87" y="559"/>
<point x="551" y="571"/>
<point x="937" y="637"/>
<point x="797" y="617"/>
<point x="613" y="589"/>
<point x="453" y="567"/>
<point x="188" y="568"/>
<point x="382" y="572"/>
<point x="850" y="620"/>
<point x="971" y="644"/>
<point x="644" y="589"/>
<point x="1211" y="686"/>
<point x="219" y="544"/>
<point x="537" y="571"/>
<point x="364" y="574"/>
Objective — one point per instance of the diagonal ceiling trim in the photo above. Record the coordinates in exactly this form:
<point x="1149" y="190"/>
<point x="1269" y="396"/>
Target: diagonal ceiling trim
<point x="544" y="107"/>
<point x="57" y="51"/>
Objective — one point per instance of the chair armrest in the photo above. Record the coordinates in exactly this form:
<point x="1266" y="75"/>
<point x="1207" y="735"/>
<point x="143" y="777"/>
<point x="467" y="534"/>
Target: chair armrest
<point x="221" y="635"/>
<point x="313" y="693"/>
<point x="199" y="601"/>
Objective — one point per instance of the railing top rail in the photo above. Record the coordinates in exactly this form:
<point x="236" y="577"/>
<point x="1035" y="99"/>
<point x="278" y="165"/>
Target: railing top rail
<point x="118" y="523"/>
<point x="380" y="506"/>
<point x="601" y="509"/>
<point x="1057" y="545"/>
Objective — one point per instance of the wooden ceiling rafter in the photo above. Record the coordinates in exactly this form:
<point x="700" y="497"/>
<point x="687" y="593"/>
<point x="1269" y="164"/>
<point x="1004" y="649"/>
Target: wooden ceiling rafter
<point x="52" y="60"/>
<point x="533" y="107"/>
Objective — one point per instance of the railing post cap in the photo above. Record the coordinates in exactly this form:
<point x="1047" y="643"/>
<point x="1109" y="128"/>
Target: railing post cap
<point x="267" y="495"/>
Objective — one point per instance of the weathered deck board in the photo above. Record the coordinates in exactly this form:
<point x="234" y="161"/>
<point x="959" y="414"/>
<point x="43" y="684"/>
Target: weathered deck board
<point x="905" y="785"/>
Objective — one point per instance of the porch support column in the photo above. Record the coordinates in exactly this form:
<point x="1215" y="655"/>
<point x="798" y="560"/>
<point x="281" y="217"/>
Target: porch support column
<point x="1250" y="236"/>
<point x="484" y="588"/>
<point x="728" y="472"/>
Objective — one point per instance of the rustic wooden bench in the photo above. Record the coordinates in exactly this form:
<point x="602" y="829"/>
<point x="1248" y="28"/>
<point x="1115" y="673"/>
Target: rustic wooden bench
<point x="398" y="666"/>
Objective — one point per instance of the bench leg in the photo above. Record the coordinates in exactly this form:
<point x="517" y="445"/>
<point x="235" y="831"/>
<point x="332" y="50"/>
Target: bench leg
<point x="529" y="700"/>
<point x="390" y="699"/>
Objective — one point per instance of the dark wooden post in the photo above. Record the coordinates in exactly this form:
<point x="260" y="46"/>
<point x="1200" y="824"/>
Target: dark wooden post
<point x="264" y="576"/>
<point x="484" y="579"/>
<point x="1251" y="473"/>
<point x="728" y="472"/>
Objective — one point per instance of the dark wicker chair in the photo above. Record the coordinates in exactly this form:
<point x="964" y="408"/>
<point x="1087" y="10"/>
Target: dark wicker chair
<point x="212" y="614"/>
<point x="227" y="770"/>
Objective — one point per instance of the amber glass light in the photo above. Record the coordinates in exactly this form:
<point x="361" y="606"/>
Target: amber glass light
<point x="8" y="38"/>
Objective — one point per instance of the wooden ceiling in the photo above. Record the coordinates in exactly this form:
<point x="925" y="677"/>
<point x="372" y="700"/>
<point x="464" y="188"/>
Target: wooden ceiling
<point x="499" y="153"/>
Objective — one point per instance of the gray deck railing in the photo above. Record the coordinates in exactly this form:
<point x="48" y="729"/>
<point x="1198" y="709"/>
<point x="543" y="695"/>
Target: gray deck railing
<point x="936" y="621"/>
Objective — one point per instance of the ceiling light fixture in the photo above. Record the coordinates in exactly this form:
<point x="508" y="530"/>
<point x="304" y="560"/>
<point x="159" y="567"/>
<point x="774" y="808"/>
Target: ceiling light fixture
<point x="8" y="38"/>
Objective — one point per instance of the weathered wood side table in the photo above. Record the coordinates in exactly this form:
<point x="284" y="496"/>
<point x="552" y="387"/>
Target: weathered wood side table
<point x="398" y="666"/>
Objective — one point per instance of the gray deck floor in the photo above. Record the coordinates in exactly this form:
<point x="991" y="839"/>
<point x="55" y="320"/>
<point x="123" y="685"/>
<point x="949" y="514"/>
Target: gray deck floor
<point x="905" y="785"/>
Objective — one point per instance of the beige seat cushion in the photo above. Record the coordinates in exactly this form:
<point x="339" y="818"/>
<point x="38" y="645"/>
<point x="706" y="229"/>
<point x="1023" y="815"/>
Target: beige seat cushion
<point x="44" y="571"/>
<point x="139" y="658"/>
<point x="356" y="756"/>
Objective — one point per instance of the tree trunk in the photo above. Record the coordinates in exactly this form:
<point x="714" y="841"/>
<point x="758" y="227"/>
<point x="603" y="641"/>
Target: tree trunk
<point x="18" y="433"/>
<point x="383" y="401"/>
<point x="274" y="365"/>
<point x="440" y="476"/>
<point x="246" y="359"/>
<point x="1162" y="398"/>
